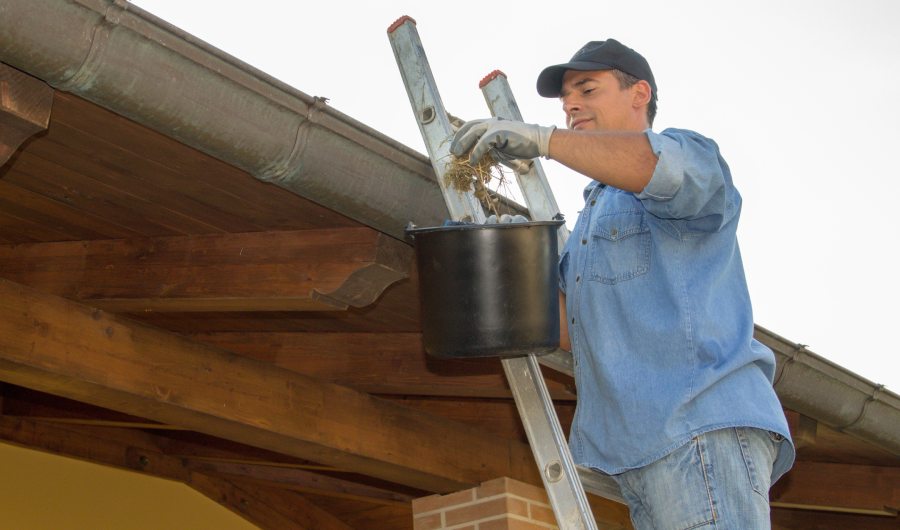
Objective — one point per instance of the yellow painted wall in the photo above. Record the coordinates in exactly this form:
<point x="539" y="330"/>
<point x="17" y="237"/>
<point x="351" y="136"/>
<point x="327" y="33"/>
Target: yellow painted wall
<point x="40" y="491"/>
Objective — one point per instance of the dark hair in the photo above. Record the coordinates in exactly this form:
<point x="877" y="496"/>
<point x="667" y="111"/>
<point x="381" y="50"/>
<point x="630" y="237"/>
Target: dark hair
<point x="627" y="81"/>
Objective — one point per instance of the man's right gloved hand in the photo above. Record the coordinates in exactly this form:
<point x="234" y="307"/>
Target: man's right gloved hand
<point x="509" y="140"/>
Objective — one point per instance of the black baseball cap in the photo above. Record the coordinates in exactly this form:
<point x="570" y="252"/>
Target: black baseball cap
<point x="608" y="54"/>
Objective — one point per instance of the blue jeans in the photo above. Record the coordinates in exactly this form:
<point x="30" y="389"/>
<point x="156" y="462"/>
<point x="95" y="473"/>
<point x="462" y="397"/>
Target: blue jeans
<point x="719" y="479"/>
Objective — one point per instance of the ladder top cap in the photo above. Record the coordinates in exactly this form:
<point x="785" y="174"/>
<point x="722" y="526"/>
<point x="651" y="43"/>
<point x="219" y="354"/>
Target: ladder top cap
<point x="399" y="22"/>
<point x="490" y="77"/>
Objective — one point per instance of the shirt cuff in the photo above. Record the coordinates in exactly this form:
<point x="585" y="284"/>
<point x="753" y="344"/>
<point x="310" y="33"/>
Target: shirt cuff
<point x="669" y="173"/>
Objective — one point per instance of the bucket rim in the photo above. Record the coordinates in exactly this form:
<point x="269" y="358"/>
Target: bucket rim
<point x="412" y="231"/>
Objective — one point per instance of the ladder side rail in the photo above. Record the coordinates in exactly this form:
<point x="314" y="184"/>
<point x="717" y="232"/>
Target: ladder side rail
<point x="436" y="129"/>
<point x="548" y="444"/>
<point x="430" y="114"/>
<point x="531" y="177"/>
<point x="534" y="185"/>
<point x="542" y="205"/>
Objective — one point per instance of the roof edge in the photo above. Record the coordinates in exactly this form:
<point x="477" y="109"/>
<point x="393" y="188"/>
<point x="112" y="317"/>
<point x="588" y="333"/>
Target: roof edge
<point x="818" y="388"/>
<point x="209" y="100"/>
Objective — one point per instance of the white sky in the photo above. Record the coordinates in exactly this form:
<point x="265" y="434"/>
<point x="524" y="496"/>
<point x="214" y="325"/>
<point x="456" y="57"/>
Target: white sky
<point x="800" y="96"/>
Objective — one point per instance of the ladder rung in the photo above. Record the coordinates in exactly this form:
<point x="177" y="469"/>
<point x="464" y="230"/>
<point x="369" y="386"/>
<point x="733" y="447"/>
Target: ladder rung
<point x="559" y="360"/>
<point x="600" y="484"/>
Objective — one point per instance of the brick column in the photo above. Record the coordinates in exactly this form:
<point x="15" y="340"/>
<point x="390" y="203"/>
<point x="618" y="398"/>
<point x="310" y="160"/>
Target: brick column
<point x="499" y="504"/>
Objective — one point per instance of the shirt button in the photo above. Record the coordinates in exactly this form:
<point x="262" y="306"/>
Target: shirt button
<point x="584" y="241"/>
<point x="614" y="232"/>
<point x="573" y="320"/>
<point x="593" y="202"/>
<point x="578" y="278"/>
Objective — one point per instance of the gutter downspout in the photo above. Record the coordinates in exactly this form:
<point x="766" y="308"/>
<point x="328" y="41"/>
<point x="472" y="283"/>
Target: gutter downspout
<point x="125" y="59"/>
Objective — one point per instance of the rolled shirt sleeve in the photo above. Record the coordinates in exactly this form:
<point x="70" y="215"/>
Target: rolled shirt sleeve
<point x="691" y="180"/>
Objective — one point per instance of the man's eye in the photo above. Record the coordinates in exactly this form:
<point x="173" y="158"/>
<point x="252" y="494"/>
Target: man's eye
<point x="587" y="90"/>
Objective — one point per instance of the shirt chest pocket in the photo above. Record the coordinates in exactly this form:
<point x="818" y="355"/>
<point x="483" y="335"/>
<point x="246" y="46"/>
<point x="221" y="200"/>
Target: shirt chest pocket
<point x="620" y="247"/>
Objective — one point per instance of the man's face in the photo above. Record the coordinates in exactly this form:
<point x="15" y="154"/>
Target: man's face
<point x="594" y="100"/>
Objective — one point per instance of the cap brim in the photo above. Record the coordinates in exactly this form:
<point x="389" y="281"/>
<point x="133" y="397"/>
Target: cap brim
<point x="549" y="82"/>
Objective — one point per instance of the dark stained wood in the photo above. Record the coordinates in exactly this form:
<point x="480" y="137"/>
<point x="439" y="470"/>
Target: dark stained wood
<point x="61" y="347"/>
<point x="803" y="429"/>
<point x="95" y="163"/>
<point x="267" y="508"/>
<point x="383" y="363"/>
<point x="840" y="487"/>
<point x="199" y="447"/>
<point x="396" y="311"/>
<point x="175" y="169"/>
<point x="496" y="416"/>
<point x="391" y="262"/>
<point x="259" y="271"/>
<point x="26" y="403"/>
<point x="104" y="162"/>
<point x="367" y="516"/>
<point x="299" y="480"/>
<point x="51" y="170"/>
<point x="120" y="448"/>
<point x="25" y="104"/>
<point x="43" y="210"/>
<point x="836" y="447"/>
<point x="15" y="229"/>
<point x="789" y="519"/>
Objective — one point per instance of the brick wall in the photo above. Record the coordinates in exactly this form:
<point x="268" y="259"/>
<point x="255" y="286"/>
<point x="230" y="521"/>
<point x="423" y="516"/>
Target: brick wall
<point x="500" y="504"/>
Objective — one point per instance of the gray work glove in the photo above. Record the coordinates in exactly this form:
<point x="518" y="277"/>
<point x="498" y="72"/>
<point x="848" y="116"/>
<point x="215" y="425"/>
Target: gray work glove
<point x="508" y="140"/>
<point x="505" y="218"/>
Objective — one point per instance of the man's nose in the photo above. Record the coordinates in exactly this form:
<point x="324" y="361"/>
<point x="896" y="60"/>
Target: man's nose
<point x="570" y="105"/>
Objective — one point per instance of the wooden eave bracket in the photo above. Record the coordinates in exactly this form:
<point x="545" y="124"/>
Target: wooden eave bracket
<point x="363" y="287"/>
<point x="25" y="104"/>
<point x="803" y="429"/>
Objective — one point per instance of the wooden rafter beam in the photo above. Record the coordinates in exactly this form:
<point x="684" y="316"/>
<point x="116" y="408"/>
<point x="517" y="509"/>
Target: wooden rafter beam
<point x="299" y="480"/>
<point x="28" y="404"/>
<point x="61" y="347"/>
<point x="267" y="508"/>
<point x="106" y="446"/>
<point x="494" y="416"/>
<point x="135" y="451"/>
<point x="25" y="104"/>
<point x="302" y="270"/>
<point x="849" y="488"/>
<point x="392" y="363"/>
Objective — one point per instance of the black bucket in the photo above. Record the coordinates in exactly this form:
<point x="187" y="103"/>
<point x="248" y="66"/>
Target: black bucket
<point x="488" y="290"/>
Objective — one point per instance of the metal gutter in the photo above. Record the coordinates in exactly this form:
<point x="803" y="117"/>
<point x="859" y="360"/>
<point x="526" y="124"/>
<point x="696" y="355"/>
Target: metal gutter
<point x="125" y="59"/>
<point x="818" y="388"/>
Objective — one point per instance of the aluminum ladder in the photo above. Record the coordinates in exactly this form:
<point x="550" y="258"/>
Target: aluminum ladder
<point x="564" y="482"/>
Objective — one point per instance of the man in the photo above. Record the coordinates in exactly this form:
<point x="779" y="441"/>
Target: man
<point x="675" y="396"/>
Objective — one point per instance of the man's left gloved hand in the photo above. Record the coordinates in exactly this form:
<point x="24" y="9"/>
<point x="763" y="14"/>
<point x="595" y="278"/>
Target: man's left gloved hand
<point x="508" y="139"/>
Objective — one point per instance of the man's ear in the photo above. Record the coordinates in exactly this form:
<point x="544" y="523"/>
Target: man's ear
<point x="641" y="93"/>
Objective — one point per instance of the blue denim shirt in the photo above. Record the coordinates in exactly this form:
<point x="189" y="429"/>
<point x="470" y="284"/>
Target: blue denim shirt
<point x="659" y="314"/>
